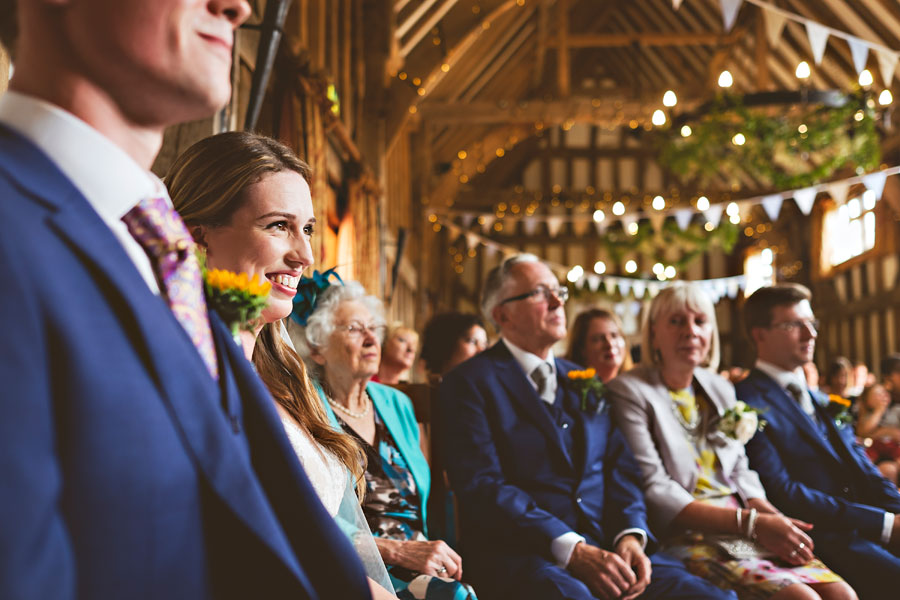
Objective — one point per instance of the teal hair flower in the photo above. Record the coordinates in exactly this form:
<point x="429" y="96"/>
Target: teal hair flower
<point x="308" y="291"/>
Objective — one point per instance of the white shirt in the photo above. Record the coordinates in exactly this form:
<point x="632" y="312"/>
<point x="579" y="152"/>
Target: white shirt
<point x="783" y="378"/>
<point x="562" y="547"/>
<point x="111" y="181"/>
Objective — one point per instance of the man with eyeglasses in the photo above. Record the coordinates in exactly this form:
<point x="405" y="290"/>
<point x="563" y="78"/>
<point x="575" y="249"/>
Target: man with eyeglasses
<point x="811" y="466"/>
<point x="550" y="507"/>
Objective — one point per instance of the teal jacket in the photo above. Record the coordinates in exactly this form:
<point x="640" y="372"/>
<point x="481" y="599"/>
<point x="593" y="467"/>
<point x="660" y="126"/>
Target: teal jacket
<point x="396" y="412"/>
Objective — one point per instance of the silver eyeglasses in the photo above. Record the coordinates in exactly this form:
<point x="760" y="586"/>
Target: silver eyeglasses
<point x="355" y="329"/>
<point x="796" y="325"/>
<point x="541" y="293"/>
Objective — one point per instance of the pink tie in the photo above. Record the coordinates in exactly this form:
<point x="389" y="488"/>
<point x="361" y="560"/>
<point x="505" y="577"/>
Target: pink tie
<point x="161" y="232"/>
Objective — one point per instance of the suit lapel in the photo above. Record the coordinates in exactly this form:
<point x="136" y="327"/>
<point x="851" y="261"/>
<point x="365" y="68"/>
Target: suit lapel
<point x="520" y="391"/>
<point x="779" y="401"/>
<point x="181" y="378"/>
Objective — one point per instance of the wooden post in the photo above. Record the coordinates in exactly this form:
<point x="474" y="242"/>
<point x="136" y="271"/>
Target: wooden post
<point x="762" y="53"/>
<point x="4" y="69"/>
<point x="562" y="51"/>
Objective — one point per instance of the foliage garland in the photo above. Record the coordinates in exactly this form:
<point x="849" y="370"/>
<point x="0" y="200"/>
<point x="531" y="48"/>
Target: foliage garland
<point x="693" y="241"/>
<point x="778" y="149"/>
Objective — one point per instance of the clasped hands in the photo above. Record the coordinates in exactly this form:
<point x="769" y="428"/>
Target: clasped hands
<point x="620" y="575"/>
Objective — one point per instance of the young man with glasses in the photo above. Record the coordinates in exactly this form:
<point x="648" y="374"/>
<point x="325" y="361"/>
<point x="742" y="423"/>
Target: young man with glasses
<point x="549" y="503"/>
<point x="810" y="464"/>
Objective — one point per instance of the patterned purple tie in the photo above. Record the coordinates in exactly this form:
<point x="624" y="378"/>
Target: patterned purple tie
<point x="161" y="232"/>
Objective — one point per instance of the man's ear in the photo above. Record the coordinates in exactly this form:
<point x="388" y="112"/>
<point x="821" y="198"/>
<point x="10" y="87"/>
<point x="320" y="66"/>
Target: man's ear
<point x="198" y="232"/>
<point x="756" y="335"/>
<point x="499" y="315"/>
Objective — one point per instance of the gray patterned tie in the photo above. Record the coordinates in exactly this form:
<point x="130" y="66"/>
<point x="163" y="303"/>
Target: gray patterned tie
<point x="541" y="377"/>
<point x="802" y="399"/>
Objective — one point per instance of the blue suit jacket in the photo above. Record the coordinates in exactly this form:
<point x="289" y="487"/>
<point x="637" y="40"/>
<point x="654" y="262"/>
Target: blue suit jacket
<point x="125" y="470"/>
<point x="518" y="487"/>
<point x="829" y="483"/>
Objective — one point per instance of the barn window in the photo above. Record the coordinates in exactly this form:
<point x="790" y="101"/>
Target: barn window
<point x="759" y="269"/>
<point x="849" y="229"/>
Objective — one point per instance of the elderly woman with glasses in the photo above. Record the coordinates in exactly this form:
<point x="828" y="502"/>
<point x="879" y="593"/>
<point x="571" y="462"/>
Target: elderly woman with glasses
<point x="688" y="432"/>
<point x="341" y="341"/>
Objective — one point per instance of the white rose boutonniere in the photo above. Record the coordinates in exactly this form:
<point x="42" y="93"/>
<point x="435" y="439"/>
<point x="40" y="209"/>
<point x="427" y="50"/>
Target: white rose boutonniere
<point x="741" y="422"/>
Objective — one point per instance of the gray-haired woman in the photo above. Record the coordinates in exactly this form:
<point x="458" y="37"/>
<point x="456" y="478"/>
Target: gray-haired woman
<point x="341" y="340"/>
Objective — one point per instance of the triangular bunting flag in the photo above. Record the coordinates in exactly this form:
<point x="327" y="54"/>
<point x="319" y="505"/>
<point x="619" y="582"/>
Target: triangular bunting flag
<point x="676" y="4"/>
<point x="640" y="286"/>
<point x="490" y="250"/>
<point x="553" y="225"/>
<point x="466" y="219"/>
<point x="859" y="50"/>
<point x="581" y="282"/>
<point x="488" y="222"/>
<point x="838" y="191"/>
<point x="529" y="225"/>
<point x="875" y="182"/>
<point x="683" y="218"/>
<point x="601" y="227"/>
<point x="653" y="289"/>
<point x="772" y="206"/>
<point x="656" y="221"/>
<point x="730" y="10"/>
<point x="624" y="286"/>
<point x="472" y="240"/>
<point x="610" y="284"/>
<point x="774" y="25"/>
<point x="593" y="281"/>
<point x="733" y="287"/>
<point x="805" y="199"/>
<point x="818" y="38"/>
<point x="713" y="214"/>
<point x="627" y="220"/>
<point x="887" y="64"/>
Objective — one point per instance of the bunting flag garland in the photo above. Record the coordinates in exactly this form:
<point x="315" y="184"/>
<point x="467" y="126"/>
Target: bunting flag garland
<point x="656" y="220"/>
<point x="875" y="182"/>
<point x="676" y="4"/>
<point x="772" y="206"/>
<point x="488" y="220"/>
<point x="818" y="39"/>
<point x="805" y="199"/>
<point x="683" y="218"/>
<point x="859" y="50"/>
<point x="887" y="64"/>
<point x="730" y="10"/>
<point x="838" y="192"/>
<point x="774" y="26"/>
<point x="714" y="214"/>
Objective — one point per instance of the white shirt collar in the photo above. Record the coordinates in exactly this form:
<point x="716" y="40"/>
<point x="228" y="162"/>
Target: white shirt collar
<point x="781" y="376"/>
<point x="529" y="362"/>
<point x="104" y="173"/>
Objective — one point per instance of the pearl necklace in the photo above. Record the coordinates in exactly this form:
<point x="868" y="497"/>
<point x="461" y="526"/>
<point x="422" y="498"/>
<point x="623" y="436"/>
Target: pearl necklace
<point x="356" y="415"/>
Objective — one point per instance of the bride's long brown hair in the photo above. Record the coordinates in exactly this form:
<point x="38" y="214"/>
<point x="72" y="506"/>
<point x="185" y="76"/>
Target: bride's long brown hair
<point x="206" y="184"/>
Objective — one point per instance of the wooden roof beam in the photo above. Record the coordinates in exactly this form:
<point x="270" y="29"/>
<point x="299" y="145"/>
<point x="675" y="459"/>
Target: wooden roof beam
<point x="563" y="64"/>
<point x="423" y="30"/>
<point x="613" y="40"/>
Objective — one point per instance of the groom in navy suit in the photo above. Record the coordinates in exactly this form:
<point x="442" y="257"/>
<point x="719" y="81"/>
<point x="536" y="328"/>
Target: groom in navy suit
<point x="811" y="466"/>
<point x="140" y="456"/>
<point x="549" y="502"/>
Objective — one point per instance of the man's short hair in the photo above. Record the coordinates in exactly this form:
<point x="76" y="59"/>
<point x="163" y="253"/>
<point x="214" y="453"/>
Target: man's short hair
<point x="758" y="307"/>
<point x="9" y="26"/>
<point x="890" y="364"/>
<point x="496" y="280"/>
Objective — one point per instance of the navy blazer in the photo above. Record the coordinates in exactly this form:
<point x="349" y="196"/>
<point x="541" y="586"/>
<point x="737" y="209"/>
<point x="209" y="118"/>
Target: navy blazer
<point x="829" y="482"/>
<point x="125" y="470"/>
<point x="518" y="486"/>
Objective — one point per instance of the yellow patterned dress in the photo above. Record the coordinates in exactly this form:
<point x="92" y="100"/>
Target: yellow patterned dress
<point x="708" y="555"/>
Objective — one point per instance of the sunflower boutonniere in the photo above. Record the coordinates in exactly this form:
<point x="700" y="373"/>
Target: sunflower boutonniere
<point x="238" y="299"/>
<point x="585" y="382"/>
<point x="838" y="408"/>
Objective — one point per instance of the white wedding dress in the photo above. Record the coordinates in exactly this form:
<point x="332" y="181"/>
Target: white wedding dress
<point x="333" y="484"/>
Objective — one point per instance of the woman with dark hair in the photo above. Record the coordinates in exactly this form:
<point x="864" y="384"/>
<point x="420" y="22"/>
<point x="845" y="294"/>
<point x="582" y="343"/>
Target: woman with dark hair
<point x="596" y="341"/>
<point x="451" y="338"/>
<point x="246" y="200"/>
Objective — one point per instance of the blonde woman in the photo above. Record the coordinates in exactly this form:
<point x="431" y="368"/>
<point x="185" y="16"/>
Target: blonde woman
<point x="246" y="200"/>
<point x="708" y="507"/>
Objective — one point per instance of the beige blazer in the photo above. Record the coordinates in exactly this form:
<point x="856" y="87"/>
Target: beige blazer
<point x="643" y="409"/>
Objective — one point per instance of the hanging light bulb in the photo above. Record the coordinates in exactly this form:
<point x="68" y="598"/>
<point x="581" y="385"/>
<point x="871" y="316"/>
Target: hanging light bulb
<point x="738" y="139"/>
<point x="732" y="209"/>
<point x="599" y="267"/>
<point x="725" y="79"/>
<point x="575" y="273"/>
<point x="686" y="131"/>
<point x="803" y="71"/>
<point x="885" y="97"/>
<point x="599" y="215"/>
<point x="865" y="78"/>
<point x="630" y="266"/>
<point x="670" y="99"/>
<point x="658" y="268"/>
<point x="659" y="203"/>
<point x="670" y="272"/>
<point x="658" y="118"/>
<point x="618" y="208"/>
<point x="702" y="203"/>
<point x="632" y="228"/>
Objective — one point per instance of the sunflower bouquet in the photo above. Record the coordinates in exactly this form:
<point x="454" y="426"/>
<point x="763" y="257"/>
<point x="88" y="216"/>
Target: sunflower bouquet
<point x="238" y="299"/>
<point x="585" y="382"/>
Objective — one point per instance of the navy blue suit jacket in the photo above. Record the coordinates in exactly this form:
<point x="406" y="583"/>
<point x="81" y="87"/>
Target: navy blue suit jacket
<point x="125" y="470"/>
<point x="829" y="483"/>
<point x="517" y="485"/>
